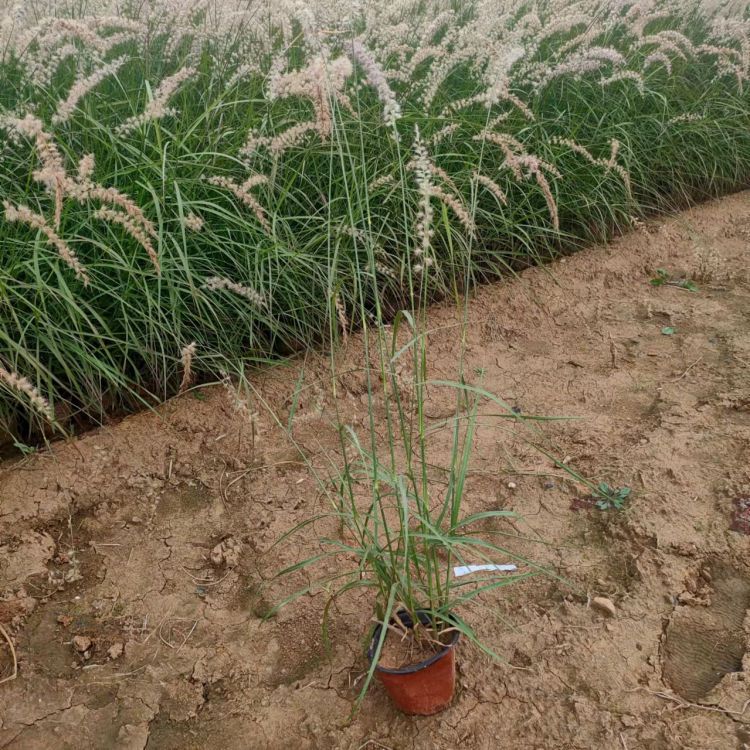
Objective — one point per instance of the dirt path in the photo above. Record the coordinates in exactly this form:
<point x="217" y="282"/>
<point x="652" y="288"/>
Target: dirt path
<point x="131" y="558"/>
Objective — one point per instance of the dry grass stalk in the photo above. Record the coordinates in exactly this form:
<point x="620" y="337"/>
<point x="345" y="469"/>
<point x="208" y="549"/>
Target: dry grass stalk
<point x="14" y="671"/>
<point x="186" y="358"/>
<point x="343" y="320"/>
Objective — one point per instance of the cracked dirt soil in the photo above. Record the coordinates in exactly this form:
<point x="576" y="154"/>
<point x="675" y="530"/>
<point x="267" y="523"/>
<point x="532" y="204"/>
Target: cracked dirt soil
<point x="132" y="558"/>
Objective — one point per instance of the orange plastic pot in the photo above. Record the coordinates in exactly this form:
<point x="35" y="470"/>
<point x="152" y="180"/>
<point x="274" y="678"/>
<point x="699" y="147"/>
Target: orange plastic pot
<point x="420" y="689"/>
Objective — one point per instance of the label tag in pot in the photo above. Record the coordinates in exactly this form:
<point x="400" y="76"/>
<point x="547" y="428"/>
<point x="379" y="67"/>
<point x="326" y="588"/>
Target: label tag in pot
<point x="464" y="570"/>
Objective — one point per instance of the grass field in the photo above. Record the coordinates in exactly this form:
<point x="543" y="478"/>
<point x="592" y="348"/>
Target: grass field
<point x="191" y="188"/>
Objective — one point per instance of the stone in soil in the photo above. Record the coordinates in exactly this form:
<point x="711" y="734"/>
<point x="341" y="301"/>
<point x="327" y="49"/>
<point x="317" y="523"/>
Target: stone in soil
<point x="604" y="606"/>
<point x="81" y="643"/>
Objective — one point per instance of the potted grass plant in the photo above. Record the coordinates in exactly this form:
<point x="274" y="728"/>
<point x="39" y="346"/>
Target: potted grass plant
<point x="407" y="538"/>
<point x="402" y="531"/>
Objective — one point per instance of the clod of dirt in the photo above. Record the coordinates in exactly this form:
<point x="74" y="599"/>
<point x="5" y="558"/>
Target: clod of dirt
<point x="115" y="650"/>
<point x="82" y="643"/>
<point x="15" y="608"/>
<point x="226" y="553"/>
<point x="604" y="606"/>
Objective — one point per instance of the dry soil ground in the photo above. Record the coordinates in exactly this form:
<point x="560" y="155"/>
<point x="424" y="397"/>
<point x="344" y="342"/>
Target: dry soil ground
<point x="132" y="558"/>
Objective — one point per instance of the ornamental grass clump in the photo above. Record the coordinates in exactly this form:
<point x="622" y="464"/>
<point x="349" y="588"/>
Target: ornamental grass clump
<point x="154" y="146"/>
<point x="401" y="532"/>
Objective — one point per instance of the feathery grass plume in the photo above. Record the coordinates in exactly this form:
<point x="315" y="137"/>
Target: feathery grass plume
<point x="41" y="70"/>
<point x="110" y="196"/>
<point x="626" y="75"/>
<point x="658" y="57"/>
<point x="216" y="283"/>
<point x="245" y="70"/>
<point x="445" y="132"/>
<point x="186" y="358"/>
<point x="52" y="32"/>
<point x="242" y="192"/>
<point x="294" y="135"/>
<point x="456" y="206"/>
<point x="135" y="230"/>
<point x="82" y="86"/>
<point x="125" y="213"/>
<point x="311" y="32"/>
<point x="524" y="165"/>
<point x="434" y="25"/>
<point x="322" y="80"/>
<point x="435" y="171"/>
<point x="443" y="176"/>
<point x="452" y="201"/>
<point x="376" y="78"/>
<point x="424" y="230"/>
<point x="665" y="47"/>
<point x="586" y="61"/>
<point x="685" y="117"/>
<point x="23" y="385"/>
<point x="276" y="70"/>
<point x="382" y="181"/>
<point x="510" y="147"/>
<point x="58" y="204"/>
<point x="618" y="168"/>
<point x="78" y="29"/>
<point x="193" y="222"/>
<point x="729" y="60"/>
<point x="441" y="70"/>
<point x="45" y="47"/>
<point x="726" y="53"/>
<point x="535" y="166"/>
<point x="53" y="175"/>
<point x="578" y="149"/>
<point x="86" y="169"/>
<point x="560" y="24"/>
<point x="382" y="268"/>
<point x="52" y="172"/>
<point x="608" y="164"/>
<point x="675" y="39"/>
<point x="420" y="55"/>
<point x="492" y="186"/>
<point x="25" y="215"/>
<point x="498" y="75"/>
<point x="157" y="108"/>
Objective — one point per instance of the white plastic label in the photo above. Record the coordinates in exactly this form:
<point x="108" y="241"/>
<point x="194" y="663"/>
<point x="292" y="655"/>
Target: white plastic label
<point x="464" y="570"/>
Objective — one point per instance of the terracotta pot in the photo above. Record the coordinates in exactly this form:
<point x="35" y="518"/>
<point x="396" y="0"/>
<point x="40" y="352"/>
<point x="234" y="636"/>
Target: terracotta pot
<point x="425" y="688"/>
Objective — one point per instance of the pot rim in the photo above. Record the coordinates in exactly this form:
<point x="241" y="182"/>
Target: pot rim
<point x="411" y="668"/>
